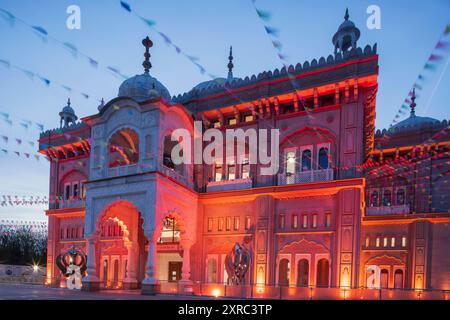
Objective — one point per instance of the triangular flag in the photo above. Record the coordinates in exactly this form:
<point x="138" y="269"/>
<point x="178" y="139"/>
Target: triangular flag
<point x="264" y="15"/>
<point x="125" y="5"/>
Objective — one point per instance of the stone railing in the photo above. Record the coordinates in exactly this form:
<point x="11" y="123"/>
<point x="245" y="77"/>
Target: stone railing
<point x="229" y="185"/>
<point x="171" y="173"/>
<point x="68" y="203"/>
<point x="387" y="210"/>
<point x="122" y="170"/>
<point x="305" y="177"/>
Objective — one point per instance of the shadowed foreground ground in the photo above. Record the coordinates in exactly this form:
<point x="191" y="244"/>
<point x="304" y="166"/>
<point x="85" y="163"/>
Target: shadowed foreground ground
<point x="39" y="292"/>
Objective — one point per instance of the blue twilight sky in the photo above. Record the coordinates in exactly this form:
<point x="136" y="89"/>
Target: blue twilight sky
<point x="203" y="28"/>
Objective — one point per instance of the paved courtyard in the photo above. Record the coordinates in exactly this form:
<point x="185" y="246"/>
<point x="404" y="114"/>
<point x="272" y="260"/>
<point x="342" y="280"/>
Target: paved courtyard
<point x="39" y="292"/>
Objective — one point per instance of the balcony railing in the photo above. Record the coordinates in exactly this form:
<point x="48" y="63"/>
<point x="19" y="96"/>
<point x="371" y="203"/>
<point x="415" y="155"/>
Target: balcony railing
<point x="229" y="185"/>
<point x="387" y="210"/>
<point x="68" y="203"/>
<point x="122" y="170"/>
<point x="305" y="176"/>
<point x="171" y="173"/>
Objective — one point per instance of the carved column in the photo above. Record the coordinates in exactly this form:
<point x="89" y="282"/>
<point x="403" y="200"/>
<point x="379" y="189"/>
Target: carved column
<point x="150" y="284"/>
<point x="355" y="90"/>
<point x="295" y="99"/>
<point x="237" y="114"/>
<point x="277" y="106"/>
<point x="91" y="282"/>
<point x="316" y="98"/>
<point x="130" y="281"/>
<point x="336" y="93"/>
<point x="186" y="281"/>
<point x="346" y="92"/>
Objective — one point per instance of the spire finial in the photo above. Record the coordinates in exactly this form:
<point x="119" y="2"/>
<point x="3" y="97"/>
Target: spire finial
<point x="147" y="43"/>
<point x="230" y="64"/>
<point x="346" y="14"/>
<point x="413" y="103"/>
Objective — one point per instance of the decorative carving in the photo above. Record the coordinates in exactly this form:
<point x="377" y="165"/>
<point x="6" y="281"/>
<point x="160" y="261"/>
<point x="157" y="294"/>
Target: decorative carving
<point x="237" y="263"/>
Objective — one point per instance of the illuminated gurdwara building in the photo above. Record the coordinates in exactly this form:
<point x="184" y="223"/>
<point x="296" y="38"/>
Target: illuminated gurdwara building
<point x="348" y="208"/>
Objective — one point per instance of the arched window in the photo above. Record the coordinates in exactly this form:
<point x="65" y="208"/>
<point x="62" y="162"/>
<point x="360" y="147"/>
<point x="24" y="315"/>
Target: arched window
<point x="323" y="267"/>
<point x="374" y="199"/>
<point x="400" y="197"/>
<point x="283" y="272"/>
<point x="290" y="166"/>
<point x="167" y="155"/>
<point x="306" y="160"/>
<point x="170" y="232"/>
<point x="384" y="278"/>
<point x="123" y="148"/>
<point x="303" y="273"/>
<point x="398" y="279"/>
<point x="323" y="158"/>
<point x="105" y="271"/>
<point x="387" y="198"/>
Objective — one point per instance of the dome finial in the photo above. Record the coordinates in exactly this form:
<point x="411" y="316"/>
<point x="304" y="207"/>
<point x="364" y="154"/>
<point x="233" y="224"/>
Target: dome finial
<point x="413" y="103"/>
<point x="346" y="15"/>
<point x="230" y="64"/>
<point x="68" y="102"/>
<point x="147" y="43"/>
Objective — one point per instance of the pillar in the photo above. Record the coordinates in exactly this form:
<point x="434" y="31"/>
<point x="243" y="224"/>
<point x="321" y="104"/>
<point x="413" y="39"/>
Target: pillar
<point x="130" y="281"/>
<point x="186" y="281"/>
<point x="186" y="270"/>
<point x="150" y="284"/>
<point x="91" y="282"/>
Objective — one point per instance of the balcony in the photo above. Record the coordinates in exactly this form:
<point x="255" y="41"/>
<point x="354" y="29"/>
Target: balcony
<point x="122" y="170"/>
<point x="387" y="210"/>
<point x="175" y="175"/>
<point x="225" y="185"/>
<point x="305" y="177"/>
<point x="68" y="203"/>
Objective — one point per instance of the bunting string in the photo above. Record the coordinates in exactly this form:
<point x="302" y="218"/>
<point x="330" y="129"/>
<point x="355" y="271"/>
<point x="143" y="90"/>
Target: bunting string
<point x="44" y="35"/>
<point x="31" y="75"/>
<point x="434" y="60"/>
<point x="14" y="200"/>
<point x="24" y="123"/>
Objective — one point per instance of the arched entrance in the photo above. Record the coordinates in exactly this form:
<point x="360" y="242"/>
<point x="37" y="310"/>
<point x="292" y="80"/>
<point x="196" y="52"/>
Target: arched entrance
<point x="303" y="273"/>
<point x="384" y="278"/>
<point x="323" y="271"/>
<point x="172" y="250"/>
<point x="398" y="279"/>
<point x="283" y="272"/>
<point x="120" y="245"/>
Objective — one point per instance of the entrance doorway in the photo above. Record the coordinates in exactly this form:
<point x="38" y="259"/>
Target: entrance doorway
<point x="174" y="271"/>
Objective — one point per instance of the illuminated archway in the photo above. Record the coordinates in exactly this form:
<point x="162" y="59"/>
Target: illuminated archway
<point x="283" y="272"/>
<point x="323" y="267"/>
<point x="303" y="273"/>
<point x="123" y="148"/>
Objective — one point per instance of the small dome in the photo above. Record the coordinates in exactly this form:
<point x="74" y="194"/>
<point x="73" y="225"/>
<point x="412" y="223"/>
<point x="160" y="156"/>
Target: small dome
<point x="68" y="109"/>
<point x="143" y="87"/>
<point x="346" y="24"/>
<point x="212" y="83"/>
<point x="346" y="36"/>
<point x="413" y="123"/>
<point x="219" y="81"/>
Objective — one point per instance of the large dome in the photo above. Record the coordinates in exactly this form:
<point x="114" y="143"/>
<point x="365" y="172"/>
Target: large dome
<point x="143" y="87"/>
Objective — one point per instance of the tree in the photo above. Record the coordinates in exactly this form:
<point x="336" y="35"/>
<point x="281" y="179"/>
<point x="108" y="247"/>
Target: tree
<point x="22" y="246"/>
